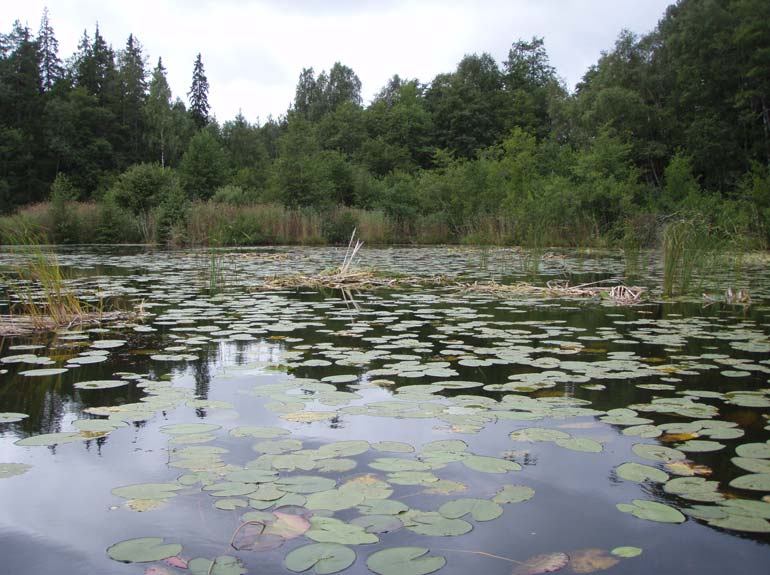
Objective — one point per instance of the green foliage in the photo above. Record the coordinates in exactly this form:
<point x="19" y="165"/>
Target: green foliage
<point x="140" y="188"/>
<point x="204" y="166"/>
<point x="63" y="194"/>
<point x="338" y="228"/>
<point x="170" y="214"/>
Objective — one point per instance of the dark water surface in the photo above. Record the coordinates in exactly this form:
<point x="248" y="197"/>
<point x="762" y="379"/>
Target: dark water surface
<point x="326" y="380"/>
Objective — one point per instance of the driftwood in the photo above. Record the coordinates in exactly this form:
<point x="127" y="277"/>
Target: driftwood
<point x="620" y="294"/>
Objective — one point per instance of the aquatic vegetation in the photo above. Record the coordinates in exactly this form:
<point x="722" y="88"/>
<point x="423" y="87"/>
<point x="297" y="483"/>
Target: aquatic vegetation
<point x="289" y="422"/>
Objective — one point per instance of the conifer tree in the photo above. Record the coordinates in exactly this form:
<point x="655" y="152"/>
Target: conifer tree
<point x="158" y="112"/>
<point x="50" y="65"/>
<point x="199" y="95"/>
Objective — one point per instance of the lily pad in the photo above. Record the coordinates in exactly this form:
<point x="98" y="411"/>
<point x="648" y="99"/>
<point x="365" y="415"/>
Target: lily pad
<point x="44" y="372"/>
<point x="435" y="524"/>
<point x="330" y="530"/>
<point x="591" y="560"/>
<point x="580" y="444"/>
<point x="11" y="417"/>
<point x="143" y="550"/>
<point x="490" y="464"/>
<point x="12" y="469"/>
<point x="479" y="509"/>
<point x="101" y="384"/>
<point x="404" y="561"/>
<point x="305" y="484"/>
<point x="147" y="491"/>
<point x="626" y="552"/>
<point x="652" y="511"/>
<point x="189" y="428"/>
<point x="754" y="450"/>
<point x="323" y="558"/>
<point x="657" y="452"/>
<point x="514" y="494"/>
<point x="640" y="473"/>
<point x="754" y="481"/>
<point x="48" y="439"/>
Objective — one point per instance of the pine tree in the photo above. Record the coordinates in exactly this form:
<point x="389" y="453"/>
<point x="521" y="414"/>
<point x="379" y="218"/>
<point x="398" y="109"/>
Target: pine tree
<point x="199" y="94"/>
<point x="132" y="82"/>
<point x="50" y="65"/>
<point x="158" y="111"/>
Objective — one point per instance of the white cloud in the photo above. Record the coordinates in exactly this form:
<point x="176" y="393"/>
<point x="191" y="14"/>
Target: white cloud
<point x="253" y="51"/>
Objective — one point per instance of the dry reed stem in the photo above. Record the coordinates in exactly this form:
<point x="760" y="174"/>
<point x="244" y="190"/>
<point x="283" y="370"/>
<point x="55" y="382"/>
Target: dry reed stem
<point x="20" y="325"/>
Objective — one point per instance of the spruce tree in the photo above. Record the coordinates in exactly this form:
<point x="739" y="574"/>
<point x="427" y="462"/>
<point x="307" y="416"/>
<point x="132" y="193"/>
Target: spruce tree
<point x="50" y="65"/>
<point x="199" y="95"/>
<point x="158" y="112"/>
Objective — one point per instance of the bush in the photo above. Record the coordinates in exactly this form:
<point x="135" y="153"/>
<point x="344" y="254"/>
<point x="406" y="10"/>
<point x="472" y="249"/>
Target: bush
<point x="338" y="229"/>
<point x="64" y="221"/>
<point x="141" y="187"/>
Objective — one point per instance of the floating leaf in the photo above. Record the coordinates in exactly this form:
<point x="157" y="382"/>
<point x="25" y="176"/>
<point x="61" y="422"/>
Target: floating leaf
<point x="641" y="473"/>
<point x="404" y="561"/>
<point x="378" y="523"/>
<point x="10" y="417"/>
<point x="44" y="372"/>
<point x="490" y="464"/>
<point x="657" y="452"/>
<point x="101" y="384"/>
<point x="12" y="469"/>
<point x="334" y="499"/>
<point x="479" y="509"/>
<point x="324" y="558"/>
<point x="392" y="447"/>
<point x="700" y="446"/>
<point x="253" y="536"/>
<point x="694" y="488"/>
<point x="330" y="530"/>
<point x="591" y="560"/>
<point x="305" y="484"/>
<point x="652" y="511"/>
<point x="742" y="523"/>
<point x="754" y="450"/>
<point x="258" y="432"/>
<point x="143" y="550"/>
<point x="433" y="523"/>
<point x="626" y="552"/>
<point x="48" y="439"/>
<point x="544" y="563"/>
<point x="538" y="434"/>
<point x="382" y="507"/>
<point x="513" y="494"/>
<point x="755" y="482"/>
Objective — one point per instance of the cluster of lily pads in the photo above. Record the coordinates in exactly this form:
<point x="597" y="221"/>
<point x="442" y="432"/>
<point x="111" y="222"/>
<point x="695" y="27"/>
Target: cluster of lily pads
<point x="463" y="362"/>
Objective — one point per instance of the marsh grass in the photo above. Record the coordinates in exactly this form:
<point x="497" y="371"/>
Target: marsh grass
<point x="690" y="252"/>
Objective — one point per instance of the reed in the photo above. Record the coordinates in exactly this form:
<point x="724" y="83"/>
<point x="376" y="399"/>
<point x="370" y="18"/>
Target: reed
<point x="690" y="251"/>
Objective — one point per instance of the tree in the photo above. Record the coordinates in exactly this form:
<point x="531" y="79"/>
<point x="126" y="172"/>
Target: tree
<point x="204" y="166"/>
<point x="132" y="96"/>
<point x="158" y="113"/>
<point x="51" y="69"/>
<point x="199" y="95"/>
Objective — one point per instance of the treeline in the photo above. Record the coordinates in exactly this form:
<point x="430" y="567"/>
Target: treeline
<point x="670" y="125"/>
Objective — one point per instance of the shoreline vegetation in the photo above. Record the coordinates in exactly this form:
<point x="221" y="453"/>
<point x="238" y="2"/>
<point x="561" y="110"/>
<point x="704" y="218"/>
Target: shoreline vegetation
<point x="669" y="126"/>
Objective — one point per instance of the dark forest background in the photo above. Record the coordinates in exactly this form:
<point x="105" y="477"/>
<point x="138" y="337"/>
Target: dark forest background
<point x="671" y="125"/>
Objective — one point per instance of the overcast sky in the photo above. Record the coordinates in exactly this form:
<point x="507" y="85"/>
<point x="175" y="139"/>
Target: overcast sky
<point x="253" y="51"/>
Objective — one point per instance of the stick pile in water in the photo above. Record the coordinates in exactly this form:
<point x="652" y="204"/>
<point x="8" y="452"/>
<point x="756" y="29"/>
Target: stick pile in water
<point x="346" y="278"/>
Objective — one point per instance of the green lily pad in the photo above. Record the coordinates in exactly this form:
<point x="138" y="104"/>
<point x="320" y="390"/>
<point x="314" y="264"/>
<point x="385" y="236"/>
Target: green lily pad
<point x="435" y="524"/>
<point x="694" y="488"/>
<point x="44" y="372"/>
<point x="143" y="550"/>
<point x="490" y="464"/>
<point x="330" y="530"/>
<point x="754" y="450"/>
<point x="305" y="484"/>
<point x="10" y="417"/>
<point x="404" y="561"/>
<point x="382" y="507"/>
<point x="445" y="445"/>
<point x="755" y="482"/>
<point x="697" y="446"/>
<point x="48" y="439"/>
<point x="258" y="432"/>
<point x="101" y="384"/>
<point x="479" y="509"/>
<point x="342" y="449"/>
<point x="323" y="558"/>
<point x="641" y="473"/>
<point x="538" y="434"/>
<point x="334" y="499"/>
<point x="657" y="452"/>
<point x="626" y="552"/>
<point x="398" y="464"/>
<point x="378" y="523"/>
<point x="513" y="494"/>
<point x="12" y="469"/>
<point x="652" y="511"/>
<point x="391" y="447"/>
<point x="742" y="523"/>
<point x="254" y="476"/>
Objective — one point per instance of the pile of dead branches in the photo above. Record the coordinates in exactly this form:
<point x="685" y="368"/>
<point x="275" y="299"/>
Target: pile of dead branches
<point x="20" y="325"/>
<point x="620" y="294"/>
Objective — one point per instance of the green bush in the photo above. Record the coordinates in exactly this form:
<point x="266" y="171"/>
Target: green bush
<point x="338" y="228"/>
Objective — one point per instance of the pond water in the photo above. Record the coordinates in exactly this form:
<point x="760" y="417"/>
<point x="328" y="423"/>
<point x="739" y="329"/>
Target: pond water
<point x="235" y="430"/>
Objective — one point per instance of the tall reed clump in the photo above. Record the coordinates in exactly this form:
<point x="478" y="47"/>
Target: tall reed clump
<point x="689" y="249"/>
<point x="45" y="298"/>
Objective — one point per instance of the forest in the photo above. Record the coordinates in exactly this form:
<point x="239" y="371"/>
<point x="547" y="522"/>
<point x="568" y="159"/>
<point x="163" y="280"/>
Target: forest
<point x="673" y="125"/>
